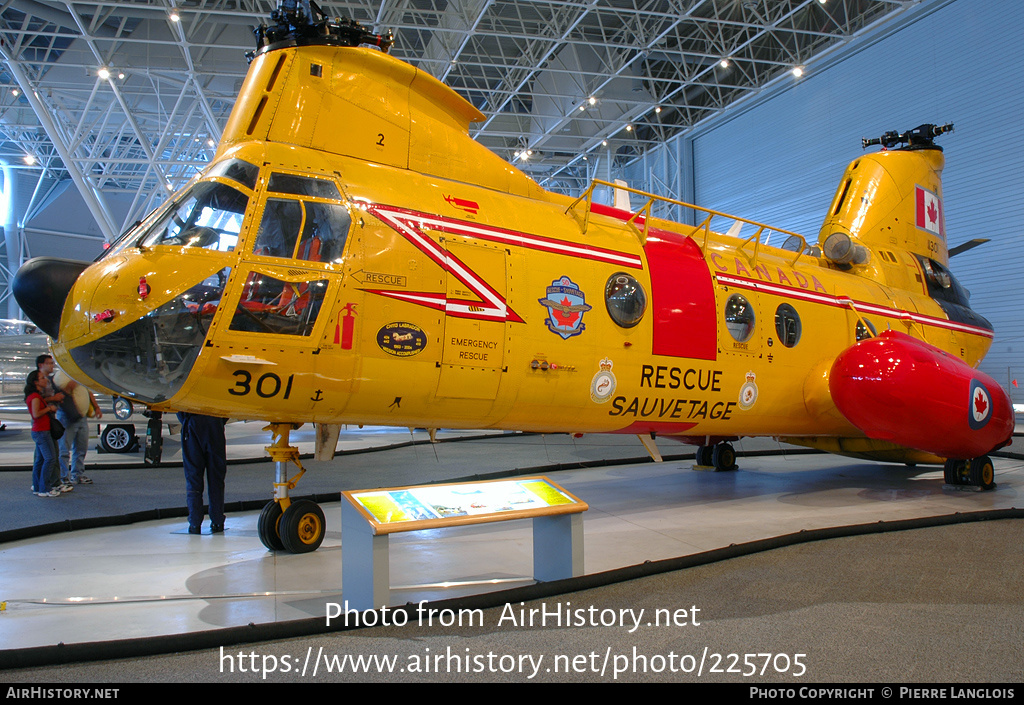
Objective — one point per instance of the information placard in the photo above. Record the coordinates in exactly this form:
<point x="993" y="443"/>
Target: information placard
<point x="423" y="507"/>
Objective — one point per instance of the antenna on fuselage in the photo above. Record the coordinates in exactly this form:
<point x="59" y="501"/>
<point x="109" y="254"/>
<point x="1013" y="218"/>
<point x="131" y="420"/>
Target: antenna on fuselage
<point x="304" y="23"/>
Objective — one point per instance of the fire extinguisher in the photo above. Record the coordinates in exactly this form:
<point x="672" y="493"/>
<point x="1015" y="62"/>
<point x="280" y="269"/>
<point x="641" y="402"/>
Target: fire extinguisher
<point x="345" y="327"/>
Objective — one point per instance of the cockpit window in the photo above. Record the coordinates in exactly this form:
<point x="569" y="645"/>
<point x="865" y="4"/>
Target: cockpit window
<point x="303" y="230"/>
<point x="303" y="186"/>
<point x="209" y="215"/>
<point x="236" y="170"/>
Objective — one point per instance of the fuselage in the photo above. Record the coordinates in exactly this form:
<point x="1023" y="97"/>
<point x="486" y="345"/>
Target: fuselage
<point x="380" y="267"/>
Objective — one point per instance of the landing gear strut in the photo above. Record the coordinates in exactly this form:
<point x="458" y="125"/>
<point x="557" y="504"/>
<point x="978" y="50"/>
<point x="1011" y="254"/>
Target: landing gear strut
<point x="296" y="527"/>
<point x="721" y="456"/>
<point x="977" y="472"/>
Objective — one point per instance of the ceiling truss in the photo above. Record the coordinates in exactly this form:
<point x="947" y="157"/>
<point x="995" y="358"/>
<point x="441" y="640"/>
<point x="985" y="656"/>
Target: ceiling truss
<point x="556" y="81"/>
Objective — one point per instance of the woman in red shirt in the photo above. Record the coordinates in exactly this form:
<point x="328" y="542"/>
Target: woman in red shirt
<point x="45" y="465"/>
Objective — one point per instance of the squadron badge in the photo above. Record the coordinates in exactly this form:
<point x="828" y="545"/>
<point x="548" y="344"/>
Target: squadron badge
<point x="603" y="385"/>
<point x="566" y="305"/>
<point x="748" y="392"/>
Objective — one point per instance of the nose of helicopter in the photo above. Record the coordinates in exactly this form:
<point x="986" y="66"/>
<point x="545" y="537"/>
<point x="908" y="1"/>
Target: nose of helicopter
<point x="42" y="285"/>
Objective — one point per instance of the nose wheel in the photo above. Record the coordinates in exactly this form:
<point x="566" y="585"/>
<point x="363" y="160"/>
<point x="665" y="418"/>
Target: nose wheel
<point x="268" y="526"/>
<point x="284" y="525"/>
<point x="977" y="472"/>
<point x="302" y="527"/>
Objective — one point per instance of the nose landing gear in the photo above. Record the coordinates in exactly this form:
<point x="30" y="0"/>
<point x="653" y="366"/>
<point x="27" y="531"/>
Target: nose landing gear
<point x="296" y="527"/>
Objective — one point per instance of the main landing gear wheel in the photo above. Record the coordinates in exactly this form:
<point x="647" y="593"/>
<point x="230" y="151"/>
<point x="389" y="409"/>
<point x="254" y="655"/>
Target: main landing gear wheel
<point x="704" y="455"/>
<point x="953" y="471"/>
<point x="723" y="457"/>
<point x="302" y="527"/>
<point x="268" y="526"/>
<point x="977" y="472"/>
<point x="981" y="473"/>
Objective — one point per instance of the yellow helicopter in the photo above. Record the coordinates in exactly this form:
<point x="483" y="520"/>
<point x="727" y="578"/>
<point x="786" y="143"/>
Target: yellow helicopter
<point x="352" y="256"/>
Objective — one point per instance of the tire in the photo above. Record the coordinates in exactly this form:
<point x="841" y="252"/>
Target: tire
<point x="723" y="457"/>
<point x="951" y="471"/>
<point x="704" y="455"/>
<point x="268" y="526"/>
<point x="981" y="473"/>
<point x="118" y="438"/>
<point x="302" y="527"/>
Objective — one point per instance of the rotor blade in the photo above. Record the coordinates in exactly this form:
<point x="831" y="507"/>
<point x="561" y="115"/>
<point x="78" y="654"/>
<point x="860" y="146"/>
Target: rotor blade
<point x="969" y="245"/>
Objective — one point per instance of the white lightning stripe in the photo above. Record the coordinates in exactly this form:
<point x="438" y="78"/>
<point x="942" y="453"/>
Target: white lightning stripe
<point x="847" y="302"/>
<point x="435" y="301"/>
<point x="530" y="242"/>
<point x="511" y="238"/>
<point x="492" y="305"/>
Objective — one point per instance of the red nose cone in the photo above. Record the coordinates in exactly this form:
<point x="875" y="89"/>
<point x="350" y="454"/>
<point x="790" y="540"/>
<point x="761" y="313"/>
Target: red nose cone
<point x="899" y="389"/>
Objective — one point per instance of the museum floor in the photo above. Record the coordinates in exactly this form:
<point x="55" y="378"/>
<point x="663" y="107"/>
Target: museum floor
<point x="933" y="588"/>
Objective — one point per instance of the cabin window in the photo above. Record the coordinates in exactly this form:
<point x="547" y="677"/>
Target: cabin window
<point x="863" y="332"/>
<point x="739" y="318"/>
<point x="787" y="325"/>
<point x="270" y="305"/>
<point x="303" y="230"/>
<point x="625" y="299"/>
<point x="209" y="215"/>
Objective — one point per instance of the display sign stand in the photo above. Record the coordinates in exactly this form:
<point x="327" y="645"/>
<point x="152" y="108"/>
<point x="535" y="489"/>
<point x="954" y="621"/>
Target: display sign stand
<point x="369" y="517"/>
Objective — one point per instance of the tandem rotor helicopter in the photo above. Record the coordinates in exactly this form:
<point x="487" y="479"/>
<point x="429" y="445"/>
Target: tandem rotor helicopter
<point x="352" y="256"/>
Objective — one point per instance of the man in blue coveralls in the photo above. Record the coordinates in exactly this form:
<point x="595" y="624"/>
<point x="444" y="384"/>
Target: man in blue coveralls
<point x="204" y="452"/>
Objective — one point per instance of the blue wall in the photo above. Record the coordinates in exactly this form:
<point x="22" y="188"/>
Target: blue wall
<point x="962" y="62"/>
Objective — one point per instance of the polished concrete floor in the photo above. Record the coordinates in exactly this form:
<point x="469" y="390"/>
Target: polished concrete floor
<point x="151" y="578"/>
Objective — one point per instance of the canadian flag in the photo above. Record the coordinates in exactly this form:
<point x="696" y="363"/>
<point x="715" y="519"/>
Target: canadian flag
<point x="929" y="212"/>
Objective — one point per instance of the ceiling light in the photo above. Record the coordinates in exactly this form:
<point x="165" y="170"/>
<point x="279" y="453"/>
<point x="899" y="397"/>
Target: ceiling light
<point x="582" y="108"/>
<point x="592" y="100"/>
<point x="15" y="92"/>
<point x="103" y="73"/>
<point x="657" y="108"/>
<point x="629" y="128"/>
<point x="211" y="143"/>
<point x="29" y="159"/>
<point x="174" y="16"/>
<point x="724" y="63"/>
<point x="529" y="152"/>
<point x="120" y="75"/>
<point x="604" y="143"/>
<point x="798" y="71"/>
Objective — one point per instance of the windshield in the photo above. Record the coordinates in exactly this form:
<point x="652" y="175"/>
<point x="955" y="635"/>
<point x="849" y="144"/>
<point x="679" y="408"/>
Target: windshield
<point x="235" y="169"/>
<point x="209" y="215"/>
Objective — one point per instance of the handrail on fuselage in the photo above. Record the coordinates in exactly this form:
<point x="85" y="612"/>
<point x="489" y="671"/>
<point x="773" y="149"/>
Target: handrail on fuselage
<point x="705" y="225"/>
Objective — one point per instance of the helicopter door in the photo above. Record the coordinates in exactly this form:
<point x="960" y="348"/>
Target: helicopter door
<point x="473" y="349"/>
